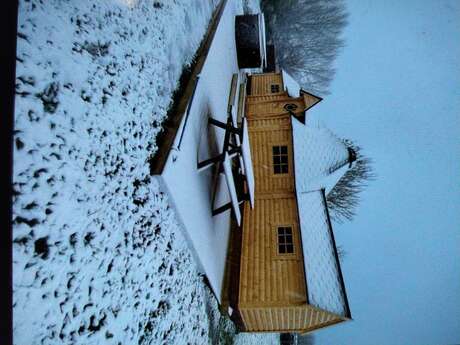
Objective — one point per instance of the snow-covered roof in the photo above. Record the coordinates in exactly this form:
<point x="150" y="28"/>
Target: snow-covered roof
<point x="316" y="152"/>
<point x="320" y="161"/>
<point x="328" y="182"/>
<point x="324" y="280"/>
<point x="290" y="85"/>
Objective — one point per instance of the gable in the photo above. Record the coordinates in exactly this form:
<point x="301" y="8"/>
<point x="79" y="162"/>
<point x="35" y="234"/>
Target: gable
<point x="294" y="90"/>
<point x="309" y="99"/>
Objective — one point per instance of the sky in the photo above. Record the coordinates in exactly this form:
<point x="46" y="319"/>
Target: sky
<point x="397" y="95"/>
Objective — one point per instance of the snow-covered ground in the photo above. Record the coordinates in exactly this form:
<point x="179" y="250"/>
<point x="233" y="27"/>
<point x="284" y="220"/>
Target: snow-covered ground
<point x="98" y="256"/>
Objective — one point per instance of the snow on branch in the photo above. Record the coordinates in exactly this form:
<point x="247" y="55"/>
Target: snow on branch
<point x="344" y="198"/>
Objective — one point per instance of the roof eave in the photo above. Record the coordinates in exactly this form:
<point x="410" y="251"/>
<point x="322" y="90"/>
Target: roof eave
<point x="298" y="212"/>
<point x="336" y="255"/>
<point x="334" y="322"/>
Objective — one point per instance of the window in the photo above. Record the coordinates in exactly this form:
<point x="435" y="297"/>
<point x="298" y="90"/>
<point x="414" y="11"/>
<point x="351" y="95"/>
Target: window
<point x="285" y="243"/>
<point x="280" y="160"/>
<point x="275" y="88"/>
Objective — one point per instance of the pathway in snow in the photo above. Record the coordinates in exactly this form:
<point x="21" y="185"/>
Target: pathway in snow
<point x="190" y="190"/>
<point x="97" y="253"/>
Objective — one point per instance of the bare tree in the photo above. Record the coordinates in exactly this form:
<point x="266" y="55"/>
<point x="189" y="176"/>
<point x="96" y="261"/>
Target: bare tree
<point x="307" y="37"/>
<point x="343" y="199"/>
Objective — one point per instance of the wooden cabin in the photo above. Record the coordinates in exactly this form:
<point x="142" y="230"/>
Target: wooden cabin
<point x="290" y="278"/>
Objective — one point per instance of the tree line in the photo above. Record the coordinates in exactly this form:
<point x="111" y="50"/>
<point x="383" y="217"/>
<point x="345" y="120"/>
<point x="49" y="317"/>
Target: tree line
<point x="307" y="38"/>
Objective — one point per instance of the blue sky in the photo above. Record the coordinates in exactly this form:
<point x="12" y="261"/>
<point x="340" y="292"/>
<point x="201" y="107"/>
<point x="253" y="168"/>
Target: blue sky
<point x="397" y="94"/>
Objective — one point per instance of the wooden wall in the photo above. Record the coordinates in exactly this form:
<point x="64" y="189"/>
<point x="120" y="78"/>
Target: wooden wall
<point x="287" y="319"/>
<point x="267" y="278"/>
<point x="263" y="135"/>
<point x="261" y="83"/>
<point x="267" y="106"/>
<point x="272" y="289"/>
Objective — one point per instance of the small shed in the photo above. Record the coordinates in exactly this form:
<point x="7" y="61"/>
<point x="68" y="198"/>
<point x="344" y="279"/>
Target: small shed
<point x="250" y="40"/>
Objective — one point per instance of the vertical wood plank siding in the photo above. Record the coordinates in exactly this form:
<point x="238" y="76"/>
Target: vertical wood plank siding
<point x="261" y="83"/>
<point x="310" y="100"/>
<point x="272" y="291"/>
<point x="299" y="318"/>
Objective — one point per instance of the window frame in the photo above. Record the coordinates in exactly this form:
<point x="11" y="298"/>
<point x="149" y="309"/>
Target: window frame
<point x="274" y="88"/>
<point x="280" y="156"/>
<point x="276" y="243"/>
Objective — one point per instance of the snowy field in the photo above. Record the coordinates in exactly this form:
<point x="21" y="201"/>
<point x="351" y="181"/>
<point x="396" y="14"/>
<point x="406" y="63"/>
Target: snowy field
<point x="98" y="256"/>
